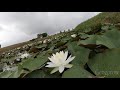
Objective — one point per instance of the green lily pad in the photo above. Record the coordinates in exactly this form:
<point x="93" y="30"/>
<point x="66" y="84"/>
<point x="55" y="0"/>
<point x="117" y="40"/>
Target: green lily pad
<point x="105" y="27"/>
<point x="5" y="74"/>
<point x="60" y="44"/>
<point x="36" y="74"/>
<point x="40" y="74"/>
<point x="76" y="72"/>
<point x="83" y="35"/>
<point x="17" y="73"/>
<point x="110" y="39"/>
<point x="42" y="46"/>
<point x="66" y="38"/>
<point x="36" y="63"/>
<point x="106" y="64"/>
<point x="91" y="40"/>
<point x="81" y="54"/>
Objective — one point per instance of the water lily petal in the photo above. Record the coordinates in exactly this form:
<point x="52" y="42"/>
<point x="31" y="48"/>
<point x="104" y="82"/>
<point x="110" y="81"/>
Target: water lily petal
<point x="68" y="65"/>
<point x="69" y="59"/>
<point x="52" y="59"/>
<point x="57" y="54"/>
<point x="60" y="57"/>
<point x="54" y="70"/>
<point x="51" y="64"/>
<point x="61" y="69"/>
<point x="65" y="56"/>
<point x="54" y="55"/>
<point x="61" y="53"/>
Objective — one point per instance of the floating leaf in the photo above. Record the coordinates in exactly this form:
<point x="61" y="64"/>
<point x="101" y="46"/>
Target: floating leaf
<point x="5" y="74"/>
<point x="76" y="72"/>
<point x="60" y="44"/>
<point x="66" y="38"/>
<point x="17" y="73"/>
<point x="110" y="39"/>
<point x="83" y="35"/>
<point x="106" y="41"/>
<point x="105" y="27"/>
<point x="40" y="74"/>
<point x="91" y="40"/>
<point x="106" y="64"/>
<point x="33" y="64"/>
<point x="36" y="74"/>
<point x="81" y="54"/>
<point x="42" y="46"/>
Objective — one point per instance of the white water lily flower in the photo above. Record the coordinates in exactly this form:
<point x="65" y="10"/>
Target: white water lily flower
<point x="25" y="55"/>
<point x="40" y="42"/>
<point x="49" y="40"/>
<point x="55" y="37"/>
<point x="74" y="35"/>
<point x="45" y="41"/>
<point x="60" y="61"/>
<point x="18" y="59"/>
<point x="18" y="48"/>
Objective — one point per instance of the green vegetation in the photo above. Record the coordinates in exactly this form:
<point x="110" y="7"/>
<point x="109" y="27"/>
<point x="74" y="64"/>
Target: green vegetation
<point x="44" y="34"/>
<point x="96" y="22"/>
<point x="96" y="48"/>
